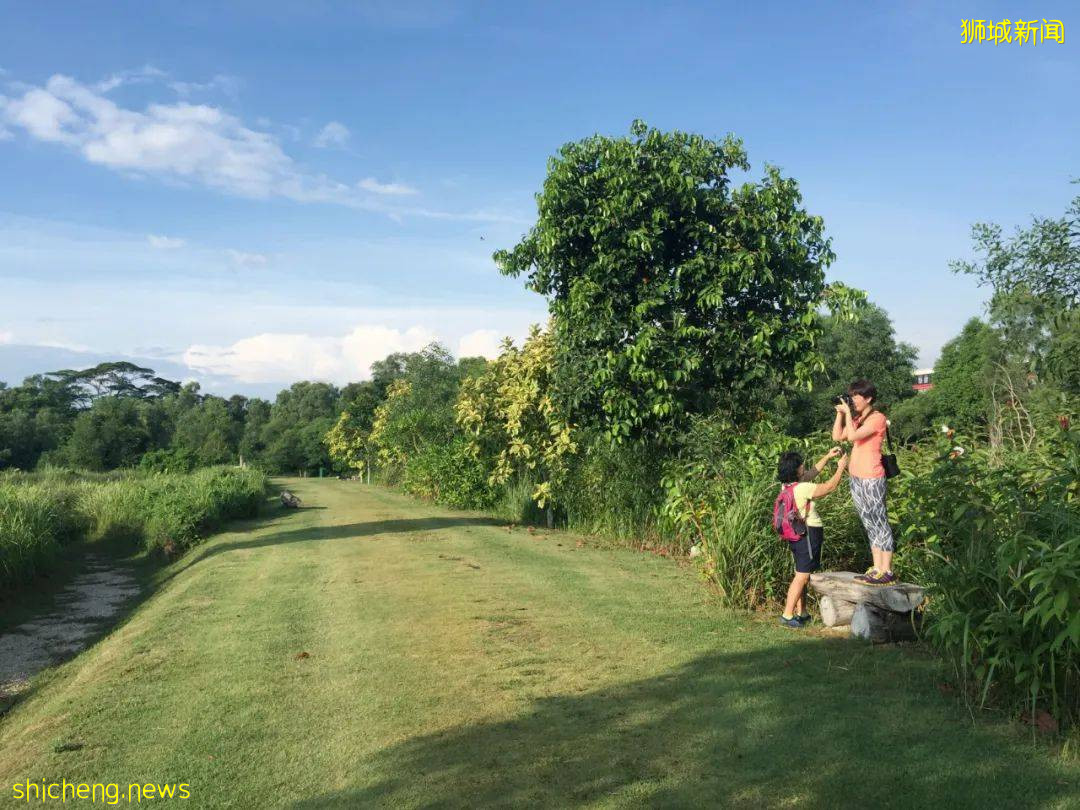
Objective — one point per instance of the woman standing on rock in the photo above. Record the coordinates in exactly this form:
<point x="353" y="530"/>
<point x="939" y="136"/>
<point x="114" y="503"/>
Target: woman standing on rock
<point x="865" y="429"/>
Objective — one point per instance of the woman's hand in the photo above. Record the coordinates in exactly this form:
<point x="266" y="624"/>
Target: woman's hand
<point x="842" y="463"/>
<point x="834" y="452"/>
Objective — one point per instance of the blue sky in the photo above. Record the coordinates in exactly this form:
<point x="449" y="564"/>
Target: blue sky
<point x="253" y="193"/>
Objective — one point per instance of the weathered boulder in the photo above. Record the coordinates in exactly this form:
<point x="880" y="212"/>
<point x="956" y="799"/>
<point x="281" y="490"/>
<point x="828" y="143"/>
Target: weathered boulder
<point x="874" y="612"/>
<point x="900" y="597"/>
<point x="835" y="612"/>
<point x="877" y="624"/>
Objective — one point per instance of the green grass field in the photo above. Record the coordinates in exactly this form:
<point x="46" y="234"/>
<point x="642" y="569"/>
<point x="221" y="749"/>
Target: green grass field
<point x="453" y="663"/>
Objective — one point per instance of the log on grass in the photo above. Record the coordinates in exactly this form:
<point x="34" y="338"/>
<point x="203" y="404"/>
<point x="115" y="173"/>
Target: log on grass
<point x="878" y="624"/>
<point x="835" y="611"/>
<point x="901" y="597"/>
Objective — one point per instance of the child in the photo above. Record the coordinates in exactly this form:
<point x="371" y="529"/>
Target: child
<point x="807" y="552"/>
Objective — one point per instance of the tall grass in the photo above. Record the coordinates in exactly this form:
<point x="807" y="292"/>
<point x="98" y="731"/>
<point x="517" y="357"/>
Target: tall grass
<point x="36" y="520"/>
<point x="42" y="512"/>
<point x="613" y="492"/>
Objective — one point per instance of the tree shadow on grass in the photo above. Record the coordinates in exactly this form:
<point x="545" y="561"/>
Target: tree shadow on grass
<point x="349" y="531"/>
<point x="789" y="725"/>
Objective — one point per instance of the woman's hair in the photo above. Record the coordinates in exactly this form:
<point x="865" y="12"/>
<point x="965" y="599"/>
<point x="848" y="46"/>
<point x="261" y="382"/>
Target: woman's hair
<point x="864" y="388"/>
<point x="788" y="468"/>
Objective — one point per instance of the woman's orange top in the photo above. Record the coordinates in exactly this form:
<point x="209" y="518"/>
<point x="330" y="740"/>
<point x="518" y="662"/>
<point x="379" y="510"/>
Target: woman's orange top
<point x="866" y="453"/>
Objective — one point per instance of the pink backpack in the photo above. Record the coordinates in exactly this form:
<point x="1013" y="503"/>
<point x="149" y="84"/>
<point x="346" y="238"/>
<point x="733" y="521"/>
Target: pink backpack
<point x="786" y="520"/>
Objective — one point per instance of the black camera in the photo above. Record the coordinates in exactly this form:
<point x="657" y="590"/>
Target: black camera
<point x="845" y="397"/>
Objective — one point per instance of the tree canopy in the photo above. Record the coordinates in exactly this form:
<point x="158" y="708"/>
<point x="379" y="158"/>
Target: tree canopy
<point x="672" y="291"/>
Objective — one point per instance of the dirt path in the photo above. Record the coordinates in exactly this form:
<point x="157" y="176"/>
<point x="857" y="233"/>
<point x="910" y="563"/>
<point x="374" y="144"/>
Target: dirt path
<point x="83" y="608"/>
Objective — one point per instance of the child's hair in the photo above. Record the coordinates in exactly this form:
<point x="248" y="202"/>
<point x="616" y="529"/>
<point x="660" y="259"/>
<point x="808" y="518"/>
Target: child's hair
<point x="788" y="468"/>
<point x="864" y="388"/>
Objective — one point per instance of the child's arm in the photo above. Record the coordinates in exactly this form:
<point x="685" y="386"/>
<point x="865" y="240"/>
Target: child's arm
<point x="821" y="490"/>
<point x="815" y="471"/>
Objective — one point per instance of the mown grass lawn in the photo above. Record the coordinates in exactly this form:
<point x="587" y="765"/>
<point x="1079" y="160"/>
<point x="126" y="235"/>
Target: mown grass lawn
<point x="450" y="662"/>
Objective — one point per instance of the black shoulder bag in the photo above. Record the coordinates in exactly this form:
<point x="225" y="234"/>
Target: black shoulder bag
<point x="888" y="461"/>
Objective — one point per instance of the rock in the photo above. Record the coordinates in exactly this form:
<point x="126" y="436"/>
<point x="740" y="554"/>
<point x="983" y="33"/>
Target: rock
<point x="835" y="612"/>
<point x="877" y="624"/>
<point x="901" y="597"/>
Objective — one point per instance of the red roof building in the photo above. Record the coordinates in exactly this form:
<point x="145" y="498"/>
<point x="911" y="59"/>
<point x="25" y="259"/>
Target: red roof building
<point x="923" y="379"/>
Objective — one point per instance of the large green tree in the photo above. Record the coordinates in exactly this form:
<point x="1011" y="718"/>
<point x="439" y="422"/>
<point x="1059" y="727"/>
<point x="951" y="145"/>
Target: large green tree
<point x="512" y="425"/>
<point x="109" y="434"/>
<point x="673" y="292"/>
<point x="252" y="438"/>
<point x="116" y="379"/>
<point x="208" y="432"/>
<point x="35" y="418"/>
<point x="1034" y="275"/>
<point x="300" y="418"/>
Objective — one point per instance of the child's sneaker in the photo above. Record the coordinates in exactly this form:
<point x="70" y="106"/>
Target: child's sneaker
<point x="792" y="622"/>
<point x="804" y="619"/>
<point x="871" y="573"/>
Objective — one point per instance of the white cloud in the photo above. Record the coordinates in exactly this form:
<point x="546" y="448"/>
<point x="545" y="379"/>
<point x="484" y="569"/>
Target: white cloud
<point x="42" y="114"/>
<point x="333" y="134"/>
<point x="165" y="242"/>
<point x="480" y="343"/>
<point x="248" y="259"/>
<point x="147" y="73"/>
<point x="276" y="357"/>
<point x="393" y="189"/>
<point x="229" y="85"/>
<point x="7" y="337"/>
<point x="193" y="143"/>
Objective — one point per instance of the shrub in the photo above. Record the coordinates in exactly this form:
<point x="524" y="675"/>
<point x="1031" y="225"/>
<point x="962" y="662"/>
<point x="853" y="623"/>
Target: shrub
<point x="187" y="508"/>
<point x="449" y="474"/>
<point x="611" y="491"/>
<point x="164" y="460"/>
<point x="996" y="540"/>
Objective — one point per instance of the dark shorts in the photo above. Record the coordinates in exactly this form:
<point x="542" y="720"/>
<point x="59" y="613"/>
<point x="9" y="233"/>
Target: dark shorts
<point x="807" y="550"/>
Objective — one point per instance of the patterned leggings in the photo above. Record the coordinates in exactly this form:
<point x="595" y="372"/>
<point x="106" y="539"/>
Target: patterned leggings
<point x="869" y="497"/>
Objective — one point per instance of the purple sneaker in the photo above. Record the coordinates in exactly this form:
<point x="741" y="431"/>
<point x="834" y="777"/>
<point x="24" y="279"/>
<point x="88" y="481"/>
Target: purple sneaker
<point x="888" y="578"/>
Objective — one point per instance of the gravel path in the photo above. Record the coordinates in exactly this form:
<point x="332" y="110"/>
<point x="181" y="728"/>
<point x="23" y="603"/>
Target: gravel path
<point x="83" y="607"/>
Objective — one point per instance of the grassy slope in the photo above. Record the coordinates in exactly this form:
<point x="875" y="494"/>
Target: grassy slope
<point x="453" y="663"/>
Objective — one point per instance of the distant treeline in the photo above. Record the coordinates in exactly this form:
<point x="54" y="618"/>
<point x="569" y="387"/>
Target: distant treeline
<point x="119" y="415"/>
